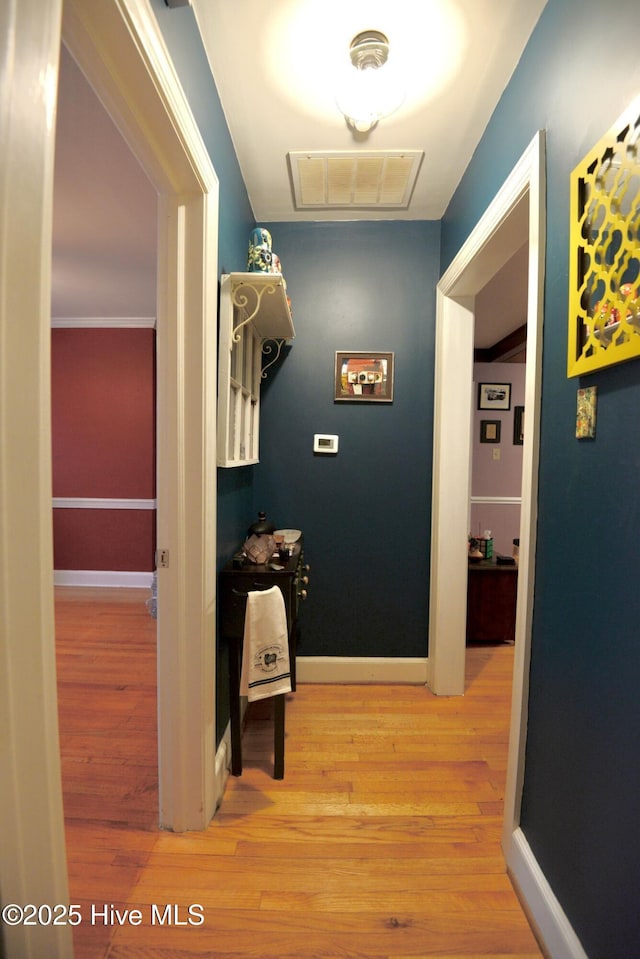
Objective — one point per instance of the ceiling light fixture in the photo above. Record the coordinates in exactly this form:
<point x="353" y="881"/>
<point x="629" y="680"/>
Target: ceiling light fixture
<point x="372" y="89"/>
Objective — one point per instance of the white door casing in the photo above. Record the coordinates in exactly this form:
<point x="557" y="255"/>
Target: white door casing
<point x="120" y="49"/>
<point x="32" y="850"/>
<point x="516" y="214"/>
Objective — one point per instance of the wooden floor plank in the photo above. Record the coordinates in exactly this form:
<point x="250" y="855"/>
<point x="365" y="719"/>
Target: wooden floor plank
<point x="382" y="841"/>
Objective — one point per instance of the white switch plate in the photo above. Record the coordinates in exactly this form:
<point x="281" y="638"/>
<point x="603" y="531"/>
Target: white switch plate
<point x="325" y="443"/>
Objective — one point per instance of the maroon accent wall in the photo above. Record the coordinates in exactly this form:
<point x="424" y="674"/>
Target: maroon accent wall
<point x="103" y="437"/>
<point x="104" y="539"/>
<point x="103" y="413"/>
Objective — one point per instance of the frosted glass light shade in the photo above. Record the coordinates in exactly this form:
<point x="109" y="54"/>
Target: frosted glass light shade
<point x="367" y="95"/>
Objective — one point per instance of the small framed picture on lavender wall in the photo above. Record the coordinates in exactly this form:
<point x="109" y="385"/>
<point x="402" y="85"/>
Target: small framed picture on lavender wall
<point x="490" y="431"/>
<point x="494" y="396"/>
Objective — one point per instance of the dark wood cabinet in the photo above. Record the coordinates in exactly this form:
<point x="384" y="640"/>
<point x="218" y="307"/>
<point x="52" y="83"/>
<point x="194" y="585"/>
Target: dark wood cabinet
<point x="236" y="580"/>
<point x="491" y="602"/>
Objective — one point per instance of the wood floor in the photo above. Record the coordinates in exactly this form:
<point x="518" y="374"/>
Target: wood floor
<point x="382" y="841"/>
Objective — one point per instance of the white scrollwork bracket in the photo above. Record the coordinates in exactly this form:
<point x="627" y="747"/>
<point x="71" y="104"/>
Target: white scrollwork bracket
<point x="267" y="350"/>
<point x="241" y="300"/>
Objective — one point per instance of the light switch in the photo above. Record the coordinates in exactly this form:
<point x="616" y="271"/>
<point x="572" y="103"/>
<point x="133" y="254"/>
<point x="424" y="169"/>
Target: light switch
<point x="496" y="452"/>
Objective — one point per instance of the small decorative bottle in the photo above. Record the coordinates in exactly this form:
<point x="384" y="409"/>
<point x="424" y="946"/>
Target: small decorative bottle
<point x="260" y="256"/>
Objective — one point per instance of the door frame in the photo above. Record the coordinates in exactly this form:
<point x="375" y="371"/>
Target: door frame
<point x="32" y="842"/>
<point x="120" y="49"/>
<point x="516" y="213"/>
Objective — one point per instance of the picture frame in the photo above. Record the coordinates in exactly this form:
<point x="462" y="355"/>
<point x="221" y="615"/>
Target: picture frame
<point x="363" y="376"/>
<point x="604" y="296"/>
<point x="518" y="425"/>
<point x="490" y="431"/>
<point x="494" y="396"/>
<point x="586" y="412"/>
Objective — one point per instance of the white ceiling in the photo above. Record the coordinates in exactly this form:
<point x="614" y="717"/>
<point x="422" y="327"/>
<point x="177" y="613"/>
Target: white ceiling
<point x="104" y="212"/>
<point x="276" y="64"/>
<point x="273" y="65"/>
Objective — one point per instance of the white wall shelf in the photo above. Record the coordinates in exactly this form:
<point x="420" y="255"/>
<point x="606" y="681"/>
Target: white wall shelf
<point x="253" y="310"/>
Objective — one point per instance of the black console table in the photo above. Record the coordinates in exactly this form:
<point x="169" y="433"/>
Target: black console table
<point x="238" y="578"/>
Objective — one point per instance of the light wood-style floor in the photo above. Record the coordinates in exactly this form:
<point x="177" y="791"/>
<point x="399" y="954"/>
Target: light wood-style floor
<point x="382" y="841"/>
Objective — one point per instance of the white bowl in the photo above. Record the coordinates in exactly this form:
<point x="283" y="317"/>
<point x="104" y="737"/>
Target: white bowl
<point x="290" y="535"/>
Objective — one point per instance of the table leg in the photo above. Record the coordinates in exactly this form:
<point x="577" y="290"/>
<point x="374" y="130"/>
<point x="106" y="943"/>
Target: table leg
<point x="234" y="707"/>
<point x="278" y="735"/>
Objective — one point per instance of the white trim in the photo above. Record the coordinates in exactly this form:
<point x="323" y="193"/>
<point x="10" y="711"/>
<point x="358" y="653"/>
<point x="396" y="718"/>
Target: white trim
<point x="94" y="502"/>
<point x="103" y="322"/>
<point x="518" y="210"/>
<point x="102" y="577"/>
<point x="498" y="500"/>
<point x="535" y="159"/>
<point x="120" y="48"/>
<point x="32" y="838"/>
<point x="545" y="912"/>
<point x="361" y="669"/>
<point x="453" y="400"/>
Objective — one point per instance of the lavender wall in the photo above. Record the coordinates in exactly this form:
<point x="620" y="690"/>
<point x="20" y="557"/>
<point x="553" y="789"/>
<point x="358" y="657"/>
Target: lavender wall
<point x="497" y="478"/>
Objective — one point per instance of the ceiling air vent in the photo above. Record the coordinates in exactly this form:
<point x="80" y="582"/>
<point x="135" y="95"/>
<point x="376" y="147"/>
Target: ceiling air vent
<point x="354" y="179"/>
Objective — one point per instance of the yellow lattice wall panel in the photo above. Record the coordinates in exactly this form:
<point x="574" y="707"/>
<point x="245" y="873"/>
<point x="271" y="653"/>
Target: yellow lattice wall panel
<point x="604" y="266"/>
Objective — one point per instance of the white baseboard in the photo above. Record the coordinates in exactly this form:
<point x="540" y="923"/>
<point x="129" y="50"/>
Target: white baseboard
<point x="545" y="912"/>
<point x="102" y="577"/>
<point x="361" y="669"/>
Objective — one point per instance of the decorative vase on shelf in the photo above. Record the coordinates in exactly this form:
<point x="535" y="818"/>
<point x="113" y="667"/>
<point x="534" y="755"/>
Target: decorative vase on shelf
<point x="260" y="257"/>
<point x="260" y="544"/>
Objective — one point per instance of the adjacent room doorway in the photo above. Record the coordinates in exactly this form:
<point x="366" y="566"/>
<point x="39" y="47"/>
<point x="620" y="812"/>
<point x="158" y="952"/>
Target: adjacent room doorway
<point x="121" y="51"/>
<point x="515" y="216"/>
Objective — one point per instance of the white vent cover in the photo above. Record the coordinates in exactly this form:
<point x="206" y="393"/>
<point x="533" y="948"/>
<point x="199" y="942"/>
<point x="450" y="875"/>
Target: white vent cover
<point x="354" y="179"/>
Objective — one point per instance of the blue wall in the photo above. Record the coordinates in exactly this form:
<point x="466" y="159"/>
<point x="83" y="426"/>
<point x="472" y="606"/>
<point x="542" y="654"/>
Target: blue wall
<point x="180" y="32"/>
<point x="182" y="37"/>
<point x="579" y="72"/>
<point x="366" y="512"/>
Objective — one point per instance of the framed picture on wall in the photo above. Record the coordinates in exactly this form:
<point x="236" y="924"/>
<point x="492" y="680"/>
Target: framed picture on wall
<point x="518" y="425"/>
<point x="494" y="396"/>
<point x="490" y="431"/>
<point x="363" y="377"/>
<point x="586" y="413"/>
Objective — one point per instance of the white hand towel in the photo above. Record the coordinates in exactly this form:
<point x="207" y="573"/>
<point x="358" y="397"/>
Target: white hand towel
<point x="266" y="670"/>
